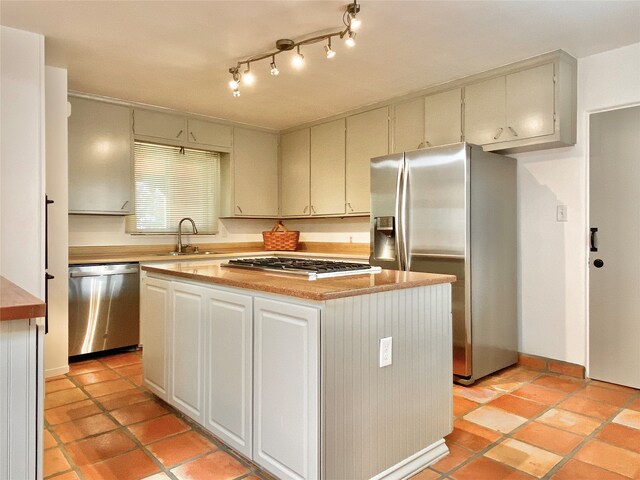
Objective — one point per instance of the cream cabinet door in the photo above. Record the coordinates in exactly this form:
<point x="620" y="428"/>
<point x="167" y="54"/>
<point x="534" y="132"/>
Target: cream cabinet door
<point x="530" y="103"/>
<point x="408" y="125"/>
<point x="186" y="391"/>
<point x="229" y="372"/>
<point x="286" y="404"/>
<point x="295" y="173"/>
<point x="367" y="137"/>
<point x="255" y="178"/>
<point x="155" y="311"/>
<point x="484" y="112"/>
<point x="100" y="158"/>
<point x="443" y="118"/>
<point x="328" y="168"/>
<point x="208" y="133"/>
<point x="150" y="123"/>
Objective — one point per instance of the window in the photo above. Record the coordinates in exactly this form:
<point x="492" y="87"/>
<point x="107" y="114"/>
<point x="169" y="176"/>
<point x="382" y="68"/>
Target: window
<point x="172" y="183"/>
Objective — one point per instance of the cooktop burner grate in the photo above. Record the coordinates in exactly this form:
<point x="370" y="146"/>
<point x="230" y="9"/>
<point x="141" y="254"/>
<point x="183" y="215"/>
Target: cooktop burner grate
<point x="313" y="268"/>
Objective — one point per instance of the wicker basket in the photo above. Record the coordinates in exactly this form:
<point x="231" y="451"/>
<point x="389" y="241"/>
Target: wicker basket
<point x="280" y="238"/>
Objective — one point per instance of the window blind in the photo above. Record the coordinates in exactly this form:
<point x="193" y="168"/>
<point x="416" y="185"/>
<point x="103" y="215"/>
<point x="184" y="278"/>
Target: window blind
<point x="172" y="183"/>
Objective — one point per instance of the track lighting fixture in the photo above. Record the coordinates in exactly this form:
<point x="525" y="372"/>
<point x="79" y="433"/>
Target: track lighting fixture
<point x="351" y="23"/>
<point x="274" y="69"/>
<point x="350" y="41"/>
<point x="327" y="48"/>
<point x="298" y="59"/>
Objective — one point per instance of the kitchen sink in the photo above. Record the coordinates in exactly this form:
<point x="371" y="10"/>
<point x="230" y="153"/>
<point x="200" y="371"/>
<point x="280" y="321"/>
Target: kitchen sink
<point x="176" y="254"/>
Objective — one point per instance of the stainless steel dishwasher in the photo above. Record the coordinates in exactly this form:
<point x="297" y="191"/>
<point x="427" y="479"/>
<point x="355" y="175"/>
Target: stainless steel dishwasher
<point x="103" y="307"/>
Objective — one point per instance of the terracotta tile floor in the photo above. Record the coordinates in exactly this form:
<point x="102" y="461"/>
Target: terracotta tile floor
<point x="101" y="423"/>
<point x="516" y="424"/>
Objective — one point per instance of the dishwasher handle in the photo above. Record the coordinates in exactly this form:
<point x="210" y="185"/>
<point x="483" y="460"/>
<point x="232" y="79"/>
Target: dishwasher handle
<point x="103" y="274"/>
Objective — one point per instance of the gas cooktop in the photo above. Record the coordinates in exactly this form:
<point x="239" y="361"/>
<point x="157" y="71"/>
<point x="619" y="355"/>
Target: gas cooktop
<point x="312" y="268"/>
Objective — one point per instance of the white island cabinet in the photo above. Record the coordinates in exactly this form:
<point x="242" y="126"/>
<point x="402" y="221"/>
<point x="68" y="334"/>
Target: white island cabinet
<point x="287" y="371"/>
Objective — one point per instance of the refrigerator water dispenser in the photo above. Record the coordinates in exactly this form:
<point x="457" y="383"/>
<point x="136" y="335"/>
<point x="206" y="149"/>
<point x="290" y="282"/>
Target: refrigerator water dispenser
<point x="385" y="239"/>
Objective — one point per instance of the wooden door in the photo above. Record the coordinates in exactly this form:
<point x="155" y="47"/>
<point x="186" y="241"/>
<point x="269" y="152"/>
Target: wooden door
<point x="614" y="259"/>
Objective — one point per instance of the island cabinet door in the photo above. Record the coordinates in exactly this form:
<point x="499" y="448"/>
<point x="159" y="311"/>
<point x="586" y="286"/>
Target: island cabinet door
<point x="286" y="436"/>
<point x="154" y="324"/>
<point x="187" y="352"/>
<point x="228" y="370"/>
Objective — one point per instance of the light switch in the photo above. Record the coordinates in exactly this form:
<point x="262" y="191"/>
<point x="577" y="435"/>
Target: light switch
<point x="561" y="213"/>
<point x="386" y="351"/>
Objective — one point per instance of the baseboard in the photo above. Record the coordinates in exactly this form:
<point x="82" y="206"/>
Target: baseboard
<point x="416" y="462"/>
<point x="551" y="365"/>
<point x="54" y="372"/>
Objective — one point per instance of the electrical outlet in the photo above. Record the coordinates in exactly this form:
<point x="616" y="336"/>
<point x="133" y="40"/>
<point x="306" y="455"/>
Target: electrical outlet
<point x="561" y="213"/>
<point x="386" y="351"/>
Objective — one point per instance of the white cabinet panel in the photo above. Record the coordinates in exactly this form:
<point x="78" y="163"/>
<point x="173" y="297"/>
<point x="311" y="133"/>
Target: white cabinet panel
<point x="286" y="389"/>
<point x="408" y="125"/>
<point x="295" y="173"/>
<point x="229" y="372"/>
<point x="530" y="102"/>
<point x="367" y="137"/>
<point x="150" y="123"/>
<point x="208" y="133"/>
<point x="154" y="323"/>
<point x="255" y="178"/>
<point x="100" y="158"/>
<point x="328" y="168"/>
<point x="187" y="359"/>
<point x="443" y="118"/>
<point x="484" y="112"/>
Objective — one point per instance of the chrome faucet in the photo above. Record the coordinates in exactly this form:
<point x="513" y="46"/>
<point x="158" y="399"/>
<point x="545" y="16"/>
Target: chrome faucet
<point x="180" y="246"/>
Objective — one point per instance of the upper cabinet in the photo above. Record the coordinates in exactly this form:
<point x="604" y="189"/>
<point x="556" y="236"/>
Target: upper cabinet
<point x="367" y="137"/>
<point x="408" y="125"/>
<point x="179" y="130"/>
<point x="443" y="118"/>
<point x="328" y="168"/>
<point x="100" y="158"/>
<point x="530" y="109"/>
<point x="255" y="173"/>
<point x="295" y="173"/>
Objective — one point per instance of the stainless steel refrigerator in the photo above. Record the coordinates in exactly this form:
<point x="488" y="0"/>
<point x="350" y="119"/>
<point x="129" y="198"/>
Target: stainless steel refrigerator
<point x="452" y="209"/>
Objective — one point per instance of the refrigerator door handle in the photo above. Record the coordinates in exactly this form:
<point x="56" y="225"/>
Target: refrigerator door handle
<point x="402" y="216"/>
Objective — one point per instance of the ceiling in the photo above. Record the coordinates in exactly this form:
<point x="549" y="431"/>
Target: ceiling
<point x="176" y="54"/>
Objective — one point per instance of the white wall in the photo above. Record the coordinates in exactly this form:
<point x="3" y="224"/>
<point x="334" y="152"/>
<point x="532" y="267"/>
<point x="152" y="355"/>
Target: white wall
<point x="21" y="160"/>
<point x="553" y="256"/>
<point x="57" y="340"/>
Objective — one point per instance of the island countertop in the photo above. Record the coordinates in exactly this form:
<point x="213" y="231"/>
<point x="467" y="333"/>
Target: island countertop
<point x="16" y="303"/>
<point x="294" y="286"/>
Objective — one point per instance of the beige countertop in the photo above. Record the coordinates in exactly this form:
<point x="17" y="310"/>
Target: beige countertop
<point x="16" y="303"/>
<point x="160" y="253"/>
<point x="294" y="286"/>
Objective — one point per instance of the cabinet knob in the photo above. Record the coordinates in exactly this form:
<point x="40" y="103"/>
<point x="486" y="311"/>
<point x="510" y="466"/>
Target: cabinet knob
<point x="500" y="130"/>
<point x="513" y="132"/>
<point x="598" y="263"/>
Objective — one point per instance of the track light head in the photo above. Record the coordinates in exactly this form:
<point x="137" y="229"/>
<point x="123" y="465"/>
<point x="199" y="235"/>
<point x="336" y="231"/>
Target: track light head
<point x="298" y="59"/>
<point x="350" y="41"/>
<point x="274" y="69"/>
<point x="327" y="48"/>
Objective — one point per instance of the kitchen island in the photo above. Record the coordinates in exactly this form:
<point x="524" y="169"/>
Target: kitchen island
<point x="287" y="371"/>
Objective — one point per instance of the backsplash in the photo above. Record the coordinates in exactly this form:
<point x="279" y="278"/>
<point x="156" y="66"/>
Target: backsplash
<point x="109" y="230"/>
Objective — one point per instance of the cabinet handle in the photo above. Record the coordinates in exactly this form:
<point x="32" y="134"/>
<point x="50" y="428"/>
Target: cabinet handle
<point x="500" y="130"/>
<point x="238" y="207"/>
<point x="124" y="205"/>
<point x="179" y="133"/>
<point x="313" y="209"/>
<point x="350" y="207"/>
<point x="421" y="145"/>
<point x="193" y="136"/>
<point x="305" y="209"/>
<point x="513" y="132"/>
